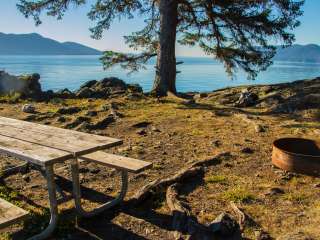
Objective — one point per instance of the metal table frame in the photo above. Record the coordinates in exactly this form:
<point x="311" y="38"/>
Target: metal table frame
<point x="49" y="174"/>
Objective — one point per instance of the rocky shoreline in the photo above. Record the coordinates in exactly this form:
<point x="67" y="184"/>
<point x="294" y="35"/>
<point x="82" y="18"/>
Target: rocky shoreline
<point x="279" y="98"/>
<point x="28" y="86"/>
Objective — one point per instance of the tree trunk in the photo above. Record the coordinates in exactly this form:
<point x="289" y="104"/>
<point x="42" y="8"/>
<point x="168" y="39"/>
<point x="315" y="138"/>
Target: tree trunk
<point x="165" y="80"/>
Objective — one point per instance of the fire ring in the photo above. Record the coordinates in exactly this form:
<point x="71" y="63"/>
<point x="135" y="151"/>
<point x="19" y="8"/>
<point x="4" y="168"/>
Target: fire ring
<point x="297" y="155"/>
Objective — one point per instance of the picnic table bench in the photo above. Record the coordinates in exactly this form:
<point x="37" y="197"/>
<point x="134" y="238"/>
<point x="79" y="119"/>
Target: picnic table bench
<point x="45" y="146"/>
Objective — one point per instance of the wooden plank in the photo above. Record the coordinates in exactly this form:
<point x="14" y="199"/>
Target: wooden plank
<point x="118" y="162"/>
<point x="59" y="138"/>
<point x="31" y="152"/>
<point x="10" y="214"/>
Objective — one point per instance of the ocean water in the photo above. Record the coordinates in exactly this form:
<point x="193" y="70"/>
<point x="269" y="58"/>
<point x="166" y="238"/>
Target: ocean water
<point x="197" y="74"/>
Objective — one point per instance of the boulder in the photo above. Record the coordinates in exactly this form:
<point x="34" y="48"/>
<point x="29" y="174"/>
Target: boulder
<point x="85" y="93"/>
<point x="28" y="108"/>
<point x="69" y="110"/>
<point x="64" y="93"/>
<point x="107" y="87"/>
<point x="247" y="99"/>
<point x="26" y="85"/>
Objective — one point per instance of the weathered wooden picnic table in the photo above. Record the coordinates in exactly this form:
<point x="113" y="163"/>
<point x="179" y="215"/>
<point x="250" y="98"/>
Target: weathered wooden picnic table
<point x="45" y="146"/>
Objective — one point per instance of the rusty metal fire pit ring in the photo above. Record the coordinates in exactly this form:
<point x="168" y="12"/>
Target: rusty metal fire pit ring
<point x="297" y="155"/>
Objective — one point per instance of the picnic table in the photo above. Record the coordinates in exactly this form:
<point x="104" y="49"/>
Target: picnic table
<point x="45" y="146"/>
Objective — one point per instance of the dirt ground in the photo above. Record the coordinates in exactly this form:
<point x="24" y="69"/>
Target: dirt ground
<point x="175" y="133"/>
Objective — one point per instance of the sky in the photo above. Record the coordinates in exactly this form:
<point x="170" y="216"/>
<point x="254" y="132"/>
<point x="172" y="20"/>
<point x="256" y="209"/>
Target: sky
<point x="75" y="27"/>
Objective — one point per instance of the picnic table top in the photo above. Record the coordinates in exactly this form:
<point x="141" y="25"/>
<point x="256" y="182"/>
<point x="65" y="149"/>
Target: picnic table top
<point x="42" y="144"/>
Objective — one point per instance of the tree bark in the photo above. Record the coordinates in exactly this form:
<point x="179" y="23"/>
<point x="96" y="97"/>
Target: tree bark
<point x="165" y="80"/>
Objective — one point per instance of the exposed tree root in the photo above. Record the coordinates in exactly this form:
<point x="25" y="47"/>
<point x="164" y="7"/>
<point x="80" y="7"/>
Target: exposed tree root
<point x="158" y="185"/>
<point x="183" y="221"/>
<point x="240" y="214"/>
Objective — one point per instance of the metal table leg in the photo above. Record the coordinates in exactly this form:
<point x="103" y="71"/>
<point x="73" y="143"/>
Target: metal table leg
<point x="53" y="206"/>
<point x="103" y="207"/>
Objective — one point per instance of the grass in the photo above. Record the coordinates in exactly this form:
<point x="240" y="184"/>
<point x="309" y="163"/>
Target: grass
<point x="295" y="197"/>
<point x="238" y="195"/>
<point x="216" y="179"/>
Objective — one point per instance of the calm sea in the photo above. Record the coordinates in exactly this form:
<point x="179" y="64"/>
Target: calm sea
<point x="197" y="74"/>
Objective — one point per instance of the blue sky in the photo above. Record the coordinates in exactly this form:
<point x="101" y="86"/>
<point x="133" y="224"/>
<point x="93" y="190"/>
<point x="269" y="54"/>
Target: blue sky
<point x="74" y="27"/>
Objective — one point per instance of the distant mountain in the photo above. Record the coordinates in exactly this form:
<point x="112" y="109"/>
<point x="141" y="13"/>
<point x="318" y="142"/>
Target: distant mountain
<point x="299" y="53"/>
<point x="35" y="44"/>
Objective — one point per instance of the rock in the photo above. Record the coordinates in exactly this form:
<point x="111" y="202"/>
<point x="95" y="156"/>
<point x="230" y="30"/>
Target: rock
<point x="107" y="87"/>
<point x="189" y="102"/>
<point x="95" y="171"/>
<point x="217" y="143"/>
<point x="142" y="132"/>
<point x="247" y="150"/>
<point x="69" y="110"/>
<point x="317" y="185"/>
<point x="134" y="88"/>
<point x="26" y="178"/>
<point x="154" y="129"/>
<point x="224" y="225"/>
<point x="64" y="93"/>
<point x="247" y="99"/>
<point x="77" y="122"/>
<point x="200" y="95"/>
<point x="274" y="191"/>
<point x="262" y="235"/>
<point x="92" y="113"/>
<point x="85" y="93"/>
<point x="26" y="85"/>
<point x="102" y="124"/>
<point x="28" y="108"/>
<point x="88" y="84"/>
<point x="259" y="128"/>
<point x="61" y="119"/>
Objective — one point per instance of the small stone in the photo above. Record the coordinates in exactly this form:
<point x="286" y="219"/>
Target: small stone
<point x="61" y="119"/>
<point x="190" y="102"/>
<point x="69" y="110"/>
<point x="259" y="128"/>
<point x="274" y="191"/>
<point x="217" y="143"/>
<point x="91" y="113"/>
<point x="94" y="171"/>
<point x="28" y="108"/>
<point x="154" y="129"/>
<point x="262" y="235"/>
<point x="247" y="150"/>
<point x="200" y="95"/>
<point x="26" y="178"/>
<point x="142" y="132"/>
<point x="109" y="189"/>
<point x="317" y="185"/>
<point x="225" y="225"/>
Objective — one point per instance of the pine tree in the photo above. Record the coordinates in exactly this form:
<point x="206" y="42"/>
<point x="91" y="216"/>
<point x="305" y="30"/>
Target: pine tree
<point x="242" y="34"/>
